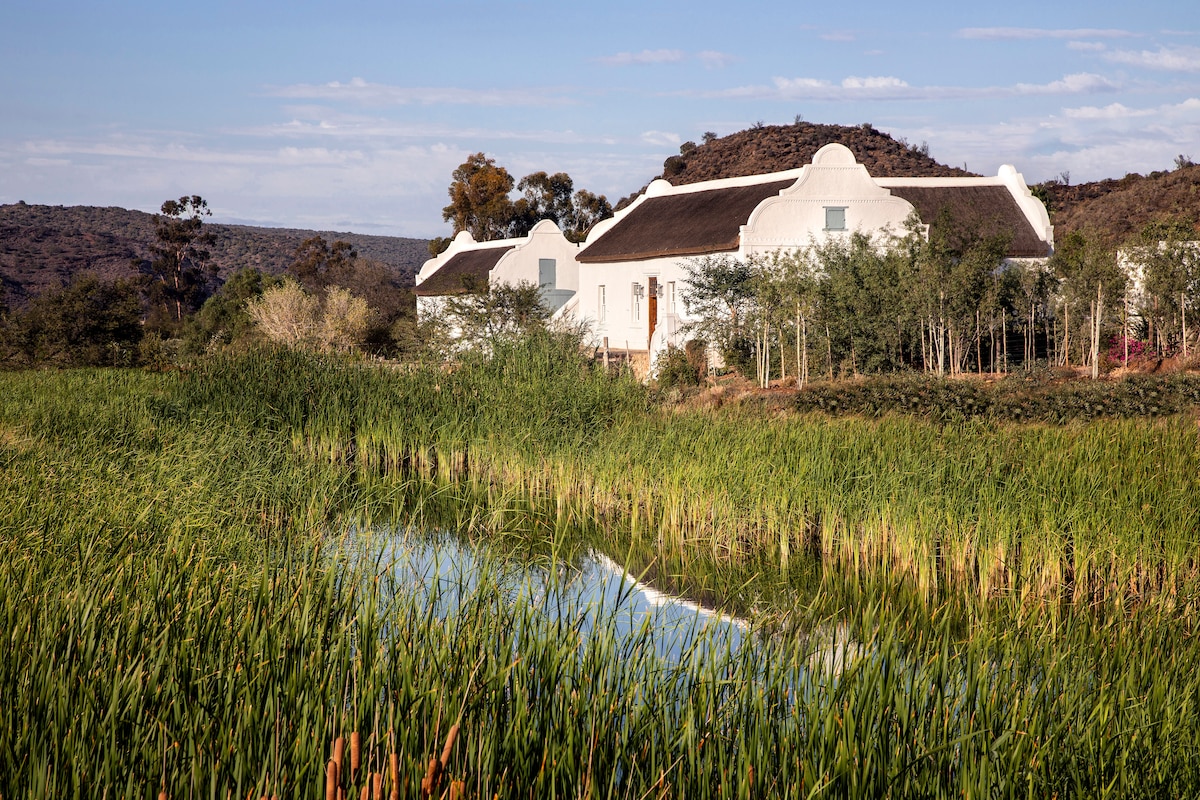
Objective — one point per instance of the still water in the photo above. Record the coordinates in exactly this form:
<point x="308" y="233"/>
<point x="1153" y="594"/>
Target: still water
<point x="588" y="591"/>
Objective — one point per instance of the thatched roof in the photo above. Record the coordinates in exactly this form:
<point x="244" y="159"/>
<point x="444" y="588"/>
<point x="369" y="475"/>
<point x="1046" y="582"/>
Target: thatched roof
<point x="464" y="272"/>
<point x="685" y="224"/>
<point x="981" y="210"/>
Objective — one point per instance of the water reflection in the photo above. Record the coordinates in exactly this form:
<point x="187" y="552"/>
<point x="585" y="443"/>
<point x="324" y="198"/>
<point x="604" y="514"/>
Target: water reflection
<point x="589" y="592"/>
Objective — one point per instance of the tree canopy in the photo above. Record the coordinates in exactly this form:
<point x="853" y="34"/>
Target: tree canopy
<point x="481" y="203"/>
<point x="179" y="273"/>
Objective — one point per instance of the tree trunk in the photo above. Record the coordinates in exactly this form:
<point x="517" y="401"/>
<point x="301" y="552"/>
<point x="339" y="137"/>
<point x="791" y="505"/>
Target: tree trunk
<point x="1066" y="335"/>
<point x="829" y="350"/>
<point x="1004" y="336"/>
<point x="803" y="352"/>
<point x="1183" y="323"/>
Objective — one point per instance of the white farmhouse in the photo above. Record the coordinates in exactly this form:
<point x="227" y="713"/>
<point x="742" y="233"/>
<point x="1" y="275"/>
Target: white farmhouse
<point x="545" y="257"/>
<point x="628" y="277"/>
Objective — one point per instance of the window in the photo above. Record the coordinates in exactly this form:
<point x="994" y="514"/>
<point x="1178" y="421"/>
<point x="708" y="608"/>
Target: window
<point x="635" y="307"/>
<point x="601" y="304"/>
<point x="546" y="270"/>
<point x="670" y="297"/>
<point x="835" y="218"/>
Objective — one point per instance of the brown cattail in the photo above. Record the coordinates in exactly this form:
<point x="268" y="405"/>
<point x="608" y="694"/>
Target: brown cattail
<point x="365" y="794"/>
<point x="339" y="752"/>
<point x="450" y="737"/>
<point x="457" y="789"/>
<point x="432" y="774"/>
<point x="355" y="753"/>
<point x="394" y="775"/>
<point x="377" y="786"/>
<point x="162" y="795"/>
<point x="331" y="780"/>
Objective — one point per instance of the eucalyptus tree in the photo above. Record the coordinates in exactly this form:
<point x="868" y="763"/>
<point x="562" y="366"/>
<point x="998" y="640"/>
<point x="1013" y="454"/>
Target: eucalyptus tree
<point x="1035" y="286"/>
<point x="863" y="303"/>
<point x="179" y="271"/>
<point x="768" y="308"/>
<point x="800" y="277"/>
<point x="1169" y="259"/>
<point x="717" y="292"/>
<point x="1090" y="279"/>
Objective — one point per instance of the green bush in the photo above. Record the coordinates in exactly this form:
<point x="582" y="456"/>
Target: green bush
<point x="1014" y="399"/>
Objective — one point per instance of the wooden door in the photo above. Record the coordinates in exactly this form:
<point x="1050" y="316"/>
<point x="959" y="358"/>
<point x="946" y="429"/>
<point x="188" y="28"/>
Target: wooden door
<point x="652" y="294"/>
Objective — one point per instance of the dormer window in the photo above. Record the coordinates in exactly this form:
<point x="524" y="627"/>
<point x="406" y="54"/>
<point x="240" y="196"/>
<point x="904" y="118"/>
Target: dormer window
<point x="835" y="218"/>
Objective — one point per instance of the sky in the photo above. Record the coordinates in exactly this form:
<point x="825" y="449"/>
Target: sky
<point x="352" y="116"/>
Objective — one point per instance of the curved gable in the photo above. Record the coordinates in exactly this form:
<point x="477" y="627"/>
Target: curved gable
<point x="464" y="272"/>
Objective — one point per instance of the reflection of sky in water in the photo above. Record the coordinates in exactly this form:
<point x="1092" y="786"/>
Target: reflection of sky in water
<point x="594" y="593"/>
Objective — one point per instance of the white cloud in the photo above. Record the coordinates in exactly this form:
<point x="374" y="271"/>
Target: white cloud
<point x="1043" y="33"/>
<point x="644" y="57"/>
<point x="801" y="84"/>
<point x="714" y="59"/>
<point x="854" y="88"/>
<point x="365" y="93"/>
<point x="838" y="36"/>
<point x="661" y="138"/>
<point x="1189" y="108"/>
<point x="1078" y="83"/>
<point x="873" y="83"/>
<point x="1111" y="111"/>
<point x="1173" y="59"/>
<point x="325" y="125"/>
<point x="1086" y="47"/>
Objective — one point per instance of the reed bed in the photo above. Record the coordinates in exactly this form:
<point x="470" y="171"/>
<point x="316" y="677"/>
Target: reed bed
<point x="184" y="617"/>
<point x="1094" y="511"/>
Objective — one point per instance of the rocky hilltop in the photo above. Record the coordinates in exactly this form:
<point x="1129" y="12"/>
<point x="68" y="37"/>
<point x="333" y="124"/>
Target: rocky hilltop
<point x="772" y="148"/>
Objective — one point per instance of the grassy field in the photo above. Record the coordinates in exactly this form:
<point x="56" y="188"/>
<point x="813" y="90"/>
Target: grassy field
<point x="188" y="612"/>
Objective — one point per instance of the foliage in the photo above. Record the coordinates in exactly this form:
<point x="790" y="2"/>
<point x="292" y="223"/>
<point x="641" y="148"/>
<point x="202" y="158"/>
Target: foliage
<point x="1168" y="258"/>
<point x="88" y="322"/>
<point x="1090" y="281"/>
<point x="317" y="264"/>
<point x="1014" y="399"/>
<point x="676" y="369"/>
<point x="179" y="272"/>
<point x="223" y="320"/>
<point x="320" y="267"/>
<point x="287" y="315"/>
<point x="717" y="291"/>
<point x="505" y="311"/>
<point x="480" y="203"/>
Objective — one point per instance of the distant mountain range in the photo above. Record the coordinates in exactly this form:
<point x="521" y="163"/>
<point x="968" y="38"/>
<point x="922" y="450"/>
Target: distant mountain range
<point x="43" y="246"/>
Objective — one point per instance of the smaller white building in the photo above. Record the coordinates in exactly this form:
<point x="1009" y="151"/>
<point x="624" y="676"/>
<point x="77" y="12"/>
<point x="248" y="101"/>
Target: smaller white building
<point x="545" y="257"/>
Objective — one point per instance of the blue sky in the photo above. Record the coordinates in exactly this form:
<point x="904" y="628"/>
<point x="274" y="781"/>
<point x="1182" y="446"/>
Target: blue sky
<point x="352" y="116"/>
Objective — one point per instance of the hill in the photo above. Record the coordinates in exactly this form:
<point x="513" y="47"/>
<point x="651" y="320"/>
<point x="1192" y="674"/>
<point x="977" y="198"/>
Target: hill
<point x="41" y="247"/>
<point x="771" y="148"/>
<point x="1120" y="208"/>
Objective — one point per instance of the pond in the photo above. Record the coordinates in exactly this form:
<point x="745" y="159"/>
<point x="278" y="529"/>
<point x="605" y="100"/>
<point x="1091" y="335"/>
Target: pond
<point x="587" y="590"/>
